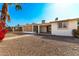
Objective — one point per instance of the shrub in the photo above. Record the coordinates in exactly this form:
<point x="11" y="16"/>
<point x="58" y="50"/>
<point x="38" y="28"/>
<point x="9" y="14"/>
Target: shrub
<point x="75" y="33"/>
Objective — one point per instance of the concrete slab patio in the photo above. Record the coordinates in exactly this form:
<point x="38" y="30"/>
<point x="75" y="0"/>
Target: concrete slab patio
<point x="35" y="45"/>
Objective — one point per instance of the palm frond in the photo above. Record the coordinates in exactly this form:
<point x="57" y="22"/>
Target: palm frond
<point x="18" y="6"/>
<point x="4" y="12"/>
<point x="8" y="16"/>
<point x="9" y="3"/>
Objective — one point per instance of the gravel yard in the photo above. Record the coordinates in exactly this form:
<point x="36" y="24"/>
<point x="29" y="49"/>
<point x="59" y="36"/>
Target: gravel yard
<point x="33" y="45"/>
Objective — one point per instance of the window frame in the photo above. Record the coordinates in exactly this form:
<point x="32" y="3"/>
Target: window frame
<point x="62" y="25"/>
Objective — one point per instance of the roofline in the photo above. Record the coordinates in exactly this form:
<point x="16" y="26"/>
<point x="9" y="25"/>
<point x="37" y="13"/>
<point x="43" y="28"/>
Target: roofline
<point x="38" y="24"/>
<point x="53" y="22"/>
<point x="65" y="20"/>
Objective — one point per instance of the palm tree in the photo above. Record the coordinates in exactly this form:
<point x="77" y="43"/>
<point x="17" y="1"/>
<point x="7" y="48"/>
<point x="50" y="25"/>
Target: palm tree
<point x="4" y="12"/>
<point x="4" y="16"/>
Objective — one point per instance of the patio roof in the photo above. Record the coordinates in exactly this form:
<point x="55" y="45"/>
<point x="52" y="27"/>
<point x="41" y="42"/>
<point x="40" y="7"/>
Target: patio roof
<point x="43" y="24"/>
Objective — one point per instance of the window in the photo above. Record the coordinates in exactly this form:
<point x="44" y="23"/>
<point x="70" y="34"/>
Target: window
<point x="62" y="24"/>
<point x="65" y="24"/>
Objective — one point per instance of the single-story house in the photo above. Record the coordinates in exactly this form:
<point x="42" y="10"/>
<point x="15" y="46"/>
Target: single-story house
<point x="64" y="27"/>
<point x="57" y="27"/>
<point x="38" y="28"/>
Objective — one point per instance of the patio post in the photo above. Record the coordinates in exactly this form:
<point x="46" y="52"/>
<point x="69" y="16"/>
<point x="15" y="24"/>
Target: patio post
<point x="13" y="29"/>
<point x="38" y="29"/>
<point x="22" y="28"/>
<point x="32" y="28"/>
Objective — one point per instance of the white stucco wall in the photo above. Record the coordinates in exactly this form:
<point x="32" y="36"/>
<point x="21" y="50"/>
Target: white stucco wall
<point x="64" y="31"/>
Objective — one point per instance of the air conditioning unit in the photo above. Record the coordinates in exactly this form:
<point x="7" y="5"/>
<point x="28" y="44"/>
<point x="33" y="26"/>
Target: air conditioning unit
<point x="43" y="21"/>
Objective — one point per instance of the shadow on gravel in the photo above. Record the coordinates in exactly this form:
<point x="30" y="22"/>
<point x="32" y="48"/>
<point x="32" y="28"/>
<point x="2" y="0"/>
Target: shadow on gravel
<point x="61" y="38"/>
<point x="53" y="37"/>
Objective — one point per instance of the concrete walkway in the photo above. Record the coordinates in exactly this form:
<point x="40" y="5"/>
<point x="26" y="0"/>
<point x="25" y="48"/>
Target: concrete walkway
<point x="9" y="38"/>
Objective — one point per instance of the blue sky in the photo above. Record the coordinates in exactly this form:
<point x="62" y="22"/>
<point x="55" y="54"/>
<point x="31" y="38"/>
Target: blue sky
<point x="35" y="12"/>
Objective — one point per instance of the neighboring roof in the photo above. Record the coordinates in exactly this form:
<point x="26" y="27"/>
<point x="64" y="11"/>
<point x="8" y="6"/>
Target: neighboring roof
<point x="65" y="20"/>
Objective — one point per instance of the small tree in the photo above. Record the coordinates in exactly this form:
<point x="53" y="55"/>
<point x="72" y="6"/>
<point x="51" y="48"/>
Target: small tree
<point x="75" y="33"/>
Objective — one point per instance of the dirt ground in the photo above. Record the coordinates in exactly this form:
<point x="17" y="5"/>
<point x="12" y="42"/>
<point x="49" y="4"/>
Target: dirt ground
<point x="35" y="45"/>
